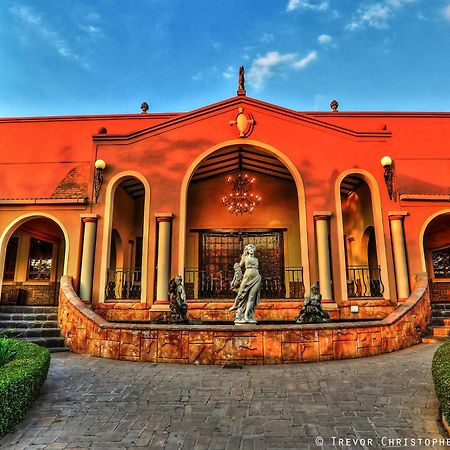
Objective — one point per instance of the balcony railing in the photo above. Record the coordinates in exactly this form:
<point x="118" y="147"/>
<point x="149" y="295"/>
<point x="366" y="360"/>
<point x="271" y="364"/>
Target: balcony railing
<point x="364" y="281"/>
<point x="217" y="284"/>
<point x="123" y="284"/>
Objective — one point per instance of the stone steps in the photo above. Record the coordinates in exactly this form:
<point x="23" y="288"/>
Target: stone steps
<point x="27" y="317"/>
<point x="18" y="333"/>
<point x="435" y="339"/>
<point x="38" y="324"/>
<point x="441" y="331"/>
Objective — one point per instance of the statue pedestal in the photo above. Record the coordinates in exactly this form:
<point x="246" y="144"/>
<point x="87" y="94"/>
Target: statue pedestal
<point x="241" y="92"/>
<point x="245" y="322"/>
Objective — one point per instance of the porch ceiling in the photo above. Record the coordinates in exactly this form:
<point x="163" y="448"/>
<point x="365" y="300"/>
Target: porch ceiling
<point x="227" y="161"/>
<point x="133" y="187"/>
<point x="350" y="184"/>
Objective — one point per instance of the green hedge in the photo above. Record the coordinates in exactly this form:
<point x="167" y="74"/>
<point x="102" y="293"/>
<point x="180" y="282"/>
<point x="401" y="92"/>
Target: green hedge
<point x="20" y="381"/>
<point x="440" y="369"/>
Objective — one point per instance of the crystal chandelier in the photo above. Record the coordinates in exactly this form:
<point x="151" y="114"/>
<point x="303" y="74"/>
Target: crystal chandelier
<point x="241" y="198"/>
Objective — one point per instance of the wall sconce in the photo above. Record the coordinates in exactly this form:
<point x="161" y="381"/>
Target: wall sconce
<point x="98" y="177"/>
<point x="387" y="163"/>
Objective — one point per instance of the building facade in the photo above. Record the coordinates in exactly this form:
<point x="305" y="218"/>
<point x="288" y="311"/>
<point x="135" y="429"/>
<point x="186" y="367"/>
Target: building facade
<point x="358" y="201"/>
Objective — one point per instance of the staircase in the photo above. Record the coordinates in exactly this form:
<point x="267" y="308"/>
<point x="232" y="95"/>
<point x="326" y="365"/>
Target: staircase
<point x="38" y="324"/>
<point x="439" y="330"/>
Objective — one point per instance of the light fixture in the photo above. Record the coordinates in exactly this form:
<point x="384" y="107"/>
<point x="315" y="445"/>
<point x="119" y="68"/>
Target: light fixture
<point x="241" y="199"/>
<point x="98" y="177"/>
<point x="387" y="163"/>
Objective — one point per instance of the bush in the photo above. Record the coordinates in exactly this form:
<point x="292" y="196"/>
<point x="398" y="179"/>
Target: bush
<point x="7" y="354"/>
<point x="440" y="369"/>
<point x="20" y="381"/>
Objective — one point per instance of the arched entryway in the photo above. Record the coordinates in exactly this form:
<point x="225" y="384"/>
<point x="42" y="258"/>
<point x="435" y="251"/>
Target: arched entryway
<point x="216" y="233"/>
<point x="362" y="269"/>
<point x="126" y="224"/>
<point x="124" y="271"/>
<point x="436" y="251"/>
<point x="34" y="255"/>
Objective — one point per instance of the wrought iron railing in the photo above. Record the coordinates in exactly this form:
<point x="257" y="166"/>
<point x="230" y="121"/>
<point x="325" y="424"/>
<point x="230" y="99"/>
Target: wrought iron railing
<point x="217" y="284"/>
<point x="364" y="281"/>
<point x="123" y="284"/>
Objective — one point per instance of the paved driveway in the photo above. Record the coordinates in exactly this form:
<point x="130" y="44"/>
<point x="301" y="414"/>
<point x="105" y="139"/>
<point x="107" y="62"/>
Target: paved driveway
<point x="97" y="403"/>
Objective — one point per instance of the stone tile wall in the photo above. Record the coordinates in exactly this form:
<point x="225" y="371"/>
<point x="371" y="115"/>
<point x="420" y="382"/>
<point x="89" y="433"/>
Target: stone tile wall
<point x="87" y="332"/>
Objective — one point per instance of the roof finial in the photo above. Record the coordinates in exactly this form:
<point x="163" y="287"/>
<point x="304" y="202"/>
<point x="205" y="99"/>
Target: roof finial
<point x="334" y="105"/>
<point x="241" y="81"/>
<point x="144" y="108"/>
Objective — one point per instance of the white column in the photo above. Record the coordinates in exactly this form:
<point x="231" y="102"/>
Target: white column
<point x="88" y="256"/>
<point x="164" y="259"/>
<point x="396" y="219"/>
<point x="321" y="220"/>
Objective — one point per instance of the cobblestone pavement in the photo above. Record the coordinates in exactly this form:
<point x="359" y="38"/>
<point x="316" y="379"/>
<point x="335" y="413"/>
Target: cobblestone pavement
<point x="98" y="403"/>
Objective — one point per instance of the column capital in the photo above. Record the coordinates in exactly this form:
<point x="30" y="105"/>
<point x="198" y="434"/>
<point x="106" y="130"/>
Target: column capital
<point x="322" y="215"/>
<point x="89" y="218"/>
<point x="397" y="215"/>
<point x="164" y="217"/>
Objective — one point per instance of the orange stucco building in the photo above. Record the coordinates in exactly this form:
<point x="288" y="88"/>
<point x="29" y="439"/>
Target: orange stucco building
<point x="329" y="210"/>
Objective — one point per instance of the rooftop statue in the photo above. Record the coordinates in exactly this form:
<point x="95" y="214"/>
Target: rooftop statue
<point x="241" y="79"/>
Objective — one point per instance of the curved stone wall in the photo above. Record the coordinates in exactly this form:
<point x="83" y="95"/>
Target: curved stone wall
<point x="87" y="332"/>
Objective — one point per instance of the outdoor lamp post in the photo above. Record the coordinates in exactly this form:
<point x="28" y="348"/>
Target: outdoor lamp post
<point x="98" y="177"/>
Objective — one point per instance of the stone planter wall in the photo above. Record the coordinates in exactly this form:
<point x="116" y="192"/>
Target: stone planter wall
<point x="87" y="332"/>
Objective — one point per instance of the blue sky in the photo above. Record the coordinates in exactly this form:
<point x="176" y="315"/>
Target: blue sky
<point x="61" y="57"/>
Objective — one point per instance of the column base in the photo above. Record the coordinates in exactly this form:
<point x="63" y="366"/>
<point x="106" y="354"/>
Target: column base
<point x="160" y="305"/>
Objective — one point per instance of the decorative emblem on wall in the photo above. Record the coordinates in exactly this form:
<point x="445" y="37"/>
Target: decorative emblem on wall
<point x="244" y="123"/>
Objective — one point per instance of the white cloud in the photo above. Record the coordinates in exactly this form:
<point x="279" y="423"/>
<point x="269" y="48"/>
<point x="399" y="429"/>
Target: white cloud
<point x="446" y="12"/>
<point x="91" y="29"/>
<point x="302" y="63"/>
<point x="205" y="75"/>
<point x="376" y="15"/>
<point x="267" y="37"/>
<point x="307" y="5"/>
<point x="229" y="73"/>
<point x="37" y="25"/>
<point x="263" y="67"/>
<point x="324" y="39"/>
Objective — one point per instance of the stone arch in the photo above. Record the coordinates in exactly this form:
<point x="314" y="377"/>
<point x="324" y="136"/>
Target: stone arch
<point x="111" y="188"/>
<point x="16" y="223"/>
<point x="378" y="226"/>
<point x="300" y="193"/>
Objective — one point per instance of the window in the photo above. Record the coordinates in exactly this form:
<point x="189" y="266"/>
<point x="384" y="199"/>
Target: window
<point x="219" y="251"/>
<point x="40" y="260"/>
<point x="10" y="260"/>
<point x="441" y="263"/>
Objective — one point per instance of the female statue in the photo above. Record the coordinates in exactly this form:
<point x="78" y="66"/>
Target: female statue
<point x="249" y="289"/>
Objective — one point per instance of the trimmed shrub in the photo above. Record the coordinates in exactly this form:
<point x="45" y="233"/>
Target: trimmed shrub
<point x="20" y="381"/>
<point x="440" y="369"/>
